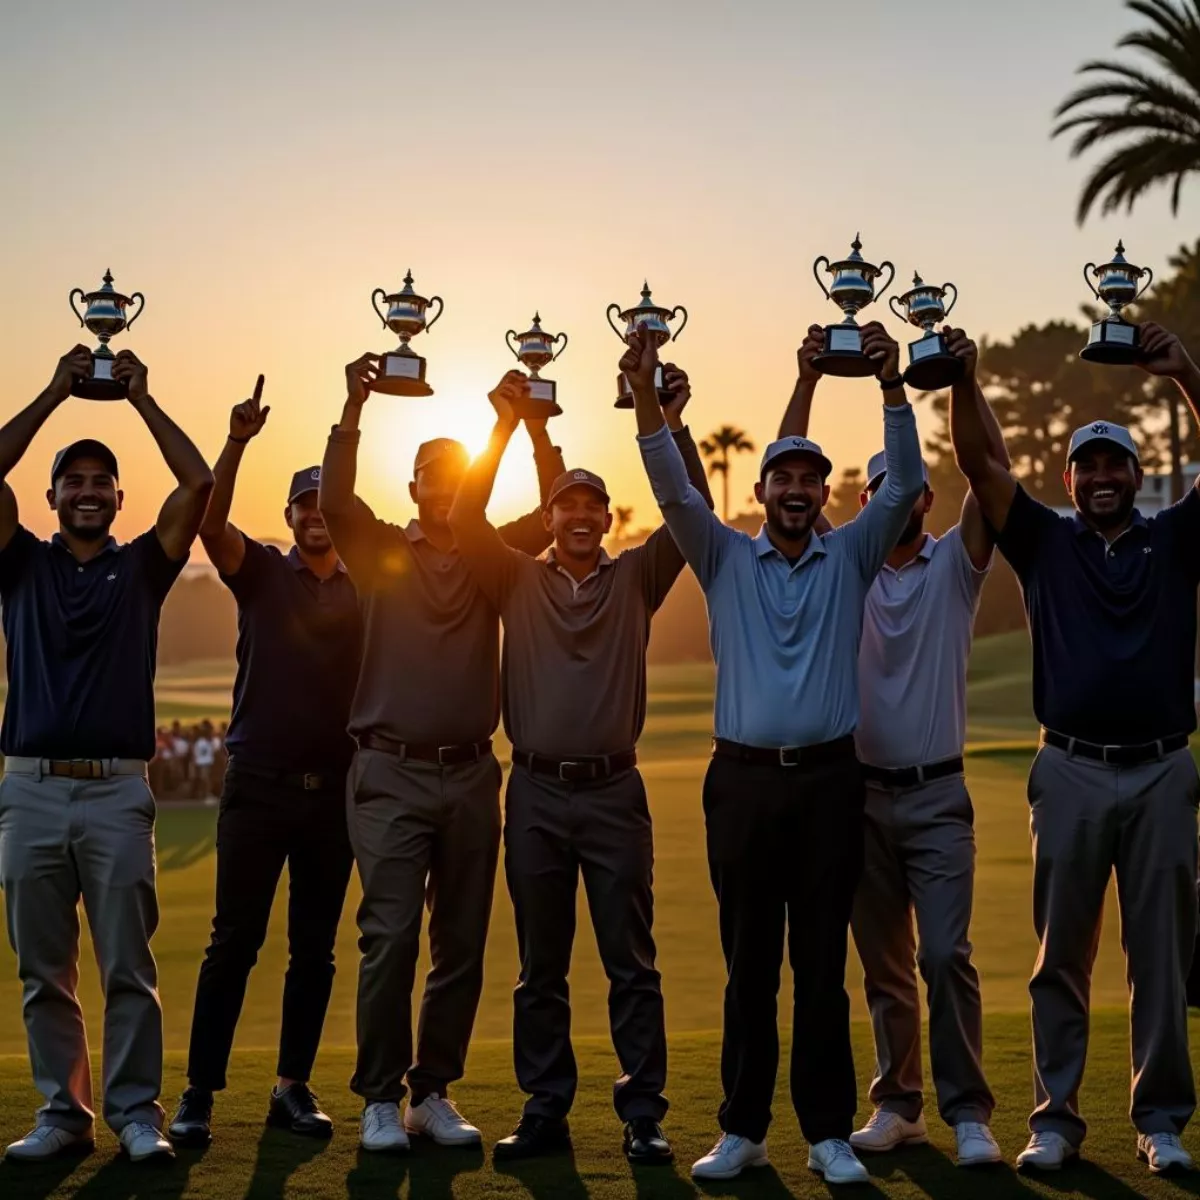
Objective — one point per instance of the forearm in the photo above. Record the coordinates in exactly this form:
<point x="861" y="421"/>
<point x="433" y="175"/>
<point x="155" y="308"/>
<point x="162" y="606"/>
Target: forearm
<point x="1189" y="384"/>
<point x="339" y="468"/>
<point x="548" y="460"/>
<point x="996" y="447"/>
<point x="470" y="505"/>
<point x="902" y="452"/>
<point x="179" y="452"/>
<point x="690" y="453"/>
<point x="969" y="431"/>
<point x="799" y="410"/>
<point x="17" y="434"/>
<point x="225" y="470"/>
<point x="649" y="410"/>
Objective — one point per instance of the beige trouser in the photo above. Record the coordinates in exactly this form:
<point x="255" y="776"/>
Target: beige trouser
<point x="920" y="858"/>
<point x="62" y="840"/>
<point x="1087" y="819"/>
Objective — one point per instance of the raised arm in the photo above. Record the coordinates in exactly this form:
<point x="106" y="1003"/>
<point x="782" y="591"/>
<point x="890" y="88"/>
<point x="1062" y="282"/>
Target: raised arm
<point x="223" y="541"/>
<point x="180" y="516"/>
<point x="1164" y="355"/>
<point x="976" y="437"/>
<point x="17" y="434"/>
<point x="492" y="563"/>
<point x="529" y="533"/>
<point x="799" y="409"/>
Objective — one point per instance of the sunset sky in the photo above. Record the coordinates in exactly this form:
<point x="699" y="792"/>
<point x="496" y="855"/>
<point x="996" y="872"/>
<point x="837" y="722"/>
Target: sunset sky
<point x="256" y="169"/>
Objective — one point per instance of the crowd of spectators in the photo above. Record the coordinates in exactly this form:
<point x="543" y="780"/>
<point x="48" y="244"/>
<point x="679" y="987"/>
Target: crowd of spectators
<point x="189" y="761"/>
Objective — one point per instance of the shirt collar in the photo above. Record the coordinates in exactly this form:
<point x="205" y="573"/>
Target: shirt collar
<point x="1081" y="526"/>
<point x="414" y="532"/>
<point x="298" y="564"/>
<point x="109" y="546"/>
<point x="605" y="560"/>
<point x="763" y="546"/>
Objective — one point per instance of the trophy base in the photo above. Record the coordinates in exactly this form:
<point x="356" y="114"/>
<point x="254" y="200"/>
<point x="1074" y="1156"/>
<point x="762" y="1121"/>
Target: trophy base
<point x="625" y="392"/>
<point x="1113" y="343"/>
<point x="541" y="403"/>
<point x="843" y="354"/>
<point x="402" y="375"/>
<point x="931" y="367"/>
<point x="100" y="385"/>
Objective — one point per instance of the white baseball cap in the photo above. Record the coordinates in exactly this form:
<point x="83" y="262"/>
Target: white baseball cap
<point x="1102" y="431"/>
<point x="794" y="445"/>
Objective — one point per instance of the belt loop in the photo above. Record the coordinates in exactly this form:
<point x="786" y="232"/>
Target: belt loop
<point x="1159" y="746"/>
<point x="1070" y="747"/>
<point x="106" y="767"/>
<point x="402" y="753"/>
<point x="920" y="774"/>
<point x="39" y="771"/>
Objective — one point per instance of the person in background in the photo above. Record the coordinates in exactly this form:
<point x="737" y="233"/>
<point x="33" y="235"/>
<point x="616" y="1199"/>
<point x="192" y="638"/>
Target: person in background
<point x="203" y="757"/>
<point x="81" y="615"/>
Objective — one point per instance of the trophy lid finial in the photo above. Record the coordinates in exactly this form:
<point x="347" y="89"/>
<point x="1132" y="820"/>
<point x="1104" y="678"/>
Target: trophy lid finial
<point x="855" y="248"/>
<point x="646" y="291"/>
<point x="1120" y="247"/>
<point x="917" y="280"/>
<point x="537" y="320"/>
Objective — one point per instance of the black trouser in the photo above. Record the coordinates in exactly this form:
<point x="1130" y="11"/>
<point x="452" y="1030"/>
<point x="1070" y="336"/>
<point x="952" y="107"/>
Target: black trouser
<point x="553" y="832"/>
<point x="264" y="823"/>
<point x="785" y="844"/>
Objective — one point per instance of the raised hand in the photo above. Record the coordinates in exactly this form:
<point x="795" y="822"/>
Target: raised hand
<point x="75" y="364"/>
<point x="882" y="349"/>
<point x="131" y="371"/>
<point x="504" y="397"/>
<point x="675" y="381"/>
<point x="963" y="348"/>
<point x="813" y="344"/>
<point x="248" y="418"/>
<point x="360" y="375"/>
<point x="640" y="361"/>
<point x="1162" y="352"/>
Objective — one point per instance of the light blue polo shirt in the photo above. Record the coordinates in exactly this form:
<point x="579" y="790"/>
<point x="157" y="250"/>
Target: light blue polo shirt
<point x="912" y="663"/>
<point x="785" y="638"/>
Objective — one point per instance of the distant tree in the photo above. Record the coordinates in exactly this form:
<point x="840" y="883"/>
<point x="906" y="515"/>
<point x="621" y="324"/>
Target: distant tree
<point x="1149" y="119"/>
<point x="844" y="496"/>
<point x="622" y="515"/>
<point x="717" y="447"/>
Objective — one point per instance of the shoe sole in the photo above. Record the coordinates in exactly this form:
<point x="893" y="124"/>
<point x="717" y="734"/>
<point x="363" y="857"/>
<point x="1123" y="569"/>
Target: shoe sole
<point x="838" y="1182"/>
<point x="397" y="1150"/>
<point x="74" y="1150"/>
<point x="917" y="1139"/>
<point x="753" y="1164"/>
<point x="650" y="1160"/>
<point x="1042" y="1168"/>
<point x="1172" y="1169"/>
<point x="548" y="1152"/>
<point x="477" y="1140"/>
<point x="155" y="1156"/>
<point x="990" y="1161"/>
<point x="320" y="1135"/>
<point x="191" y="1141"/>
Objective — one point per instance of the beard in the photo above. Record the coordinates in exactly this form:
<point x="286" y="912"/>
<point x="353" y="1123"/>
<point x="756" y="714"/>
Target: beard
<point x="90" y="532"/>
<point x="1114" y="517"/>
<point x="791" y="527"/>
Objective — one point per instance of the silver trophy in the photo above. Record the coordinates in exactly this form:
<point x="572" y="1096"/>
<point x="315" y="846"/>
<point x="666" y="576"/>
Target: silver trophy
<point x="104" y="315"/>
<point x="402" y="371"/>
<point x="852" y="289"/>
<point x="930" y="364"/>
<point x="653" y="318"/>
<point x="1115" y="340"/>
<point x="534" y="349"/>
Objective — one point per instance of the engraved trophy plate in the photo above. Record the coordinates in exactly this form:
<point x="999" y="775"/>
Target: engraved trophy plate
<point x="105" y="314"/>
<point x="852" y="289"/>
<point x="930" y="365"/>
<point x="1114" y="340"/>
<point x="535" y="349"/>
<point x="648" y="316"/>
<point x="406" y="314"/>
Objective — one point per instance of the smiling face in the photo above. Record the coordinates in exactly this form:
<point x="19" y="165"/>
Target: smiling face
<point x="579" y="518"/>
<point x="434" y="489"/>
<point x="1103" y="480"/>
<point x="307" y="525"/>
<point x="793" y="492"/>
<point x="86" y="497"/>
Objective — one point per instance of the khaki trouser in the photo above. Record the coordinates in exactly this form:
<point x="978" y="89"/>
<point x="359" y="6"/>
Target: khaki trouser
<point x="920" y="857"/>
<point x="421" y="833"/>
<point x="62" y="840"/>
<point x="1087" y="818"/>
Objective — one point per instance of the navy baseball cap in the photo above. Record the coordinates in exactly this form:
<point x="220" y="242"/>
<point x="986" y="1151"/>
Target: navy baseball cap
<point x="84" y="448"/>
<point x="877" y="469"/>
<point x="307" y="480"/>
<point x="577" y="478"/>
<point x="794" y="445"/>
<point x="431" y="452"/>
<point x="1102" y="431"/>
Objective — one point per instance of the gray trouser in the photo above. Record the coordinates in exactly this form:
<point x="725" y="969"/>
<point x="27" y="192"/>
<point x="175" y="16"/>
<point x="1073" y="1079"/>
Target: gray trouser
<point x="553" y="832"/>
<point x="60" y="840"/>
<point x="421" y="834"/>
<point x="1087" y="818"/>
<point x="920" y="855"/>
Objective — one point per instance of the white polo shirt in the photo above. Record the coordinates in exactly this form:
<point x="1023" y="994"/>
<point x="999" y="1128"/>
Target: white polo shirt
<point x="912" y="660"/>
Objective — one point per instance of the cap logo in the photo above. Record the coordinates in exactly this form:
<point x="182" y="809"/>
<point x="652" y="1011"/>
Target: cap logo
<point x="1100" y="428"/>
<point x="316" y="473"/>
<point x="580" y="475"/>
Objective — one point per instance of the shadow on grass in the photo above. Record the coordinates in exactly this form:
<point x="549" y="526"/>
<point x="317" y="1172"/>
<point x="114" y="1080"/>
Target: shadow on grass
<point x="184" y="836"/>
<point x="431" y="1172"/>
<point x="120" y="1179"/>
<point x="280" y="1155"/>
<point x="37" y="1180"/>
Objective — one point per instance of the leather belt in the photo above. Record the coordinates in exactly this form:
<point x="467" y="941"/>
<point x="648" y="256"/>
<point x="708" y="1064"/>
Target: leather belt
<point x="786" y="756"/>
<point x="1116" y="756"/>
<point x="902" y="777"/>
<point x="592" y="769"/>
<point x="75" y="768"/>
<point x="426" y="752"/>
<point x="306" y="781"/>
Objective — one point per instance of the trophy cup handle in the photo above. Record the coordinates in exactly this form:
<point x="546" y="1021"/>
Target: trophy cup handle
<point x="512" y="333"/>
<point x="71" y="301"/>
<point x="891" y="267"/>
<point x="948" y="287"/>
<point x="375" y="305"/>
<point x="441" y="307"/>
<point x="1142" y="289"/>
<point x="1086" y="279"/>
<point x="140" y="307"/>
<point x="674" y="312"/>
<point x="817" y="277"/>
<point x="559" y="337"/>
<point x="892" y="302"/>
<point x="608" y="312"/>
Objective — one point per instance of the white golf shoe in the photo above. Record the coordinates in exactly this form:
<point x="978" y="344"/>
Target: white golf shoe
<point x="1163" y="1153"/>
<point x="381" y="1131"/>
<point x="437" y="1118"/>
<point x="835" y="1161"/>
<point x="888" y="1130"/>
<point x="730" y="1157"/>
<point x="48" y="1141"/>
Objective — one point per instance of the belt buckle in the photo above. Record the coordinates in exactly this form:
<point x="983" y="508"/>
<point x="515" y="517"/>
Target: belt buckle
<point x="84" y="768"/>
<point x="441" y="756"/>
<point x="784" y="751"/>
<point x="1104" y="755"/>
<point x="563" y="767"/>
<point x="312" y="783"/>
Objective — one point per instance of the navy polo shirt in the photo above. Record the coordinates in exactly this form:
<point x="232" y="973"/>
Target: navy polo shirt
<point x="82" y="646"/>
<point x="1113" y="626"/>
<point x="298" y="649"/>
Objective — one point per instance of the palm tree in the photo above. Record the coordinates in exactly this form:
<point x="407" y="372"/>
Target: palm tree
<point x="717" y="447"/>
<point x="1152" y="118"/>
<point x="622" y="515"/>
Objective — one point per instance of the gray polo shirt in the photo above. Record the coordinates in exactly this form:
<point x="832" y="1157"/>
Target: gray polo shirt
<point x="785" y="635"/>
<point x="912" y="661"/>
